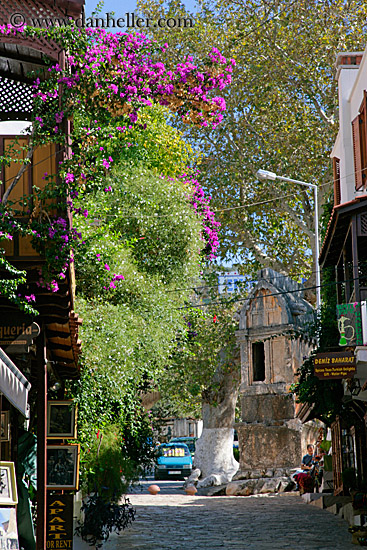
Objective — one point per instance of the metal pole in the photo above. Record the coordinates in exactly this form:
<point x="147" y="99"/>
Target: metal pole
<point x="41" y="441"/>
<point x="317" y="249"/>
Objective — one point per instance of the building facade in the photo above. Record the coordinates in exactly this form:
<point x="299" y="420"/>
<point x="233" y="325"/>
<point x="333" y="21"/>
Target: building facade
<point x="345" y="250"/>
<point x="37" y="353"/>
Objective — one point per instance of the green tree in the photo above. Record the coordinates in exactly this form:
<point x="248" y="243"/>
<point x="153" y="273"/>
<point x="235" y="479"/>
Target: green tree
<point x="142" y="240"/>
<point x="203" y="378"/>
<point x="281" y="109"/>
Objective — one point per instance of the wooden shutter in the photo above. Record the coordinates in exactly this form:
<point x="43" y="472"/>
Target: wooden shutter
<point x="357" y="152"/>
<point x="336" y="171"/>
<point x="363" y="138"/>
<point x="336" y="442"/>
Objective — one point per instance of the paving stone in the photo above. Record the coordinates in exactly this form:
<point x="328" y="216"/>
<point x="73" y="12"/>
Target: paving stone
<point x="176" y="521"/>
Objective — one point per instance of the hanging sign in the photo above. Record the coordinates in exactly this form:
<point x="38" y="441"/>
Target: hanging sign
<point x="350" y="324"/>
<point x="17" y="334"/>
<point x="336" y="365"/>
<point x="59" y="522"/>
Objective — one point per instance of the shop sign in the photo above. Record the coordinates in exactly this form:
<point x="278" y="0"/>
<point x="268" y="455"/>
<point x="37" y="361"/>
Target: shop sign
<point x="336" y="365"/>
<point x="350" y="324"/>
<point x="17" y="334"/>
<point x="59" y="522"/>
<point x="228" y="282"/>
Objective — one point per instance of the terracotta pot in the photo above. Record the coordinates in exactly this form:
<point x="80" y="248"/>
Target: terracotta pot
<point x="191" y="490"/>
<point x="154" y="489"/>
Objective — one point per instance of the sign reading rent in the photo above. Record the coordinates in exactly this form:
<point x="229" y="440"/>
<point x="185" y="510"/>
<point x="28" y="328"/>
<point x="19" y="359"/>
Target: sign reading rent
<point x="333" y="366"/>
<point x="59" y="524"/>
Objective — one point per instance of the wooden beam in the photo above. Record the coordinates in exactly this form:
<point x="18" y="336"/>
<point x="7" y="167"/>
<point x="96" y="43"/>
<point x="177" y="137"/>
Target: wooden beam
<point x="355" y="259"/>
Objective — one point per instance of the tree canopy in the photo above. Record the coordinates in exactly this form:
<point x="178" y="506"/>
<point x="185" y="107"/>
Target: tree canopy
<point x="281" y="116"/>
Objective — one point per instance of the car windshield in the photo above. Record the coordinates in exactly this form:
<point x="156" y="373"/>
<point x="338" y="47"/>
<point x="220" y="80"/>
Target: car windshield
<point x="189" y="442"/>
<point x="173" y="450"/>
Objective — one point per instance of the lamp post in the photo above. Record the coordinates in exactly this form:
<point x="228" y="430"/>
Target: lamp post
<point x="266" y="175"/>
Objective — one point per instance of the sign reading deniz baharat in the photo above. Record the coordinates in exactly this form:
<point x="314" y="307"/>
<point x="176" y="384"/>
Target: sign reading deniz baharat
<point x="350" y="324"/>
<point x="336" y="365"/>
<point x="59" y="524"/>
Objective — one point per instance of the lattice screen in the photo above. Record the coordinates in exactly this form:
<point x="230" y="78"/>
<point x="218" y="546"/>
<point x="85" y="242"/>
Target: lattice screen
<point x="32" y="9"/>
<point x="16" y="100"/>
<point x="363" y="225"/>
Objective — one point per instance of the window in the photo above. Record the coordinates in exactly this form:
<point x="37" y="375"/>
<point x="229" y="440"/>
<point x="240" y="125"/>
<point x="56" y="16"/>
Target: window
<point x="258" y="362"/>
<point x="336" y="171"/>
<point x="359" y="133"/>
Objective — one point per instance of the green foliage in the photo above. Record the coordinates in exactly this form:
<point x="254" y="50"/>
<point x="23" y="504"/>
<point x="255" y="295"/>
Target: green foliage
<point x="204" y="357"/>
<point x="151" y="142"/>
<point x="102" y="518"/>
<point x="143" y="225"/>
<point x="105" y="464"/>
<point x="141" y="228"/>
<point x="114" y="433"/>
<point x="324" y="395"/>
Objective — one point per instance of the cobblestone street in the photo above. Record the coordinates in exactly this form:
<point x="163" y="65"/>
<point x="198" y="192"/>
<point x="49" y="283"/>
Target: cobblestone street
<point x="174" y="521"/>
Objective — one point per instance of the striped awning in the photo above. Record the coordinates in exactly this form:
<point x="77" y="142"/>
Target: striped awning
<point x="13" y="384"/>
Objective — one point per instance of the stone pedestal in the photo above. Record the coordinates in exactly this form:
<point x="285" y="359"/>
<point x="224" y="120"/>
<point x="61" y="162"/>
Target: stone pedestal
<point x="268" y="447"/>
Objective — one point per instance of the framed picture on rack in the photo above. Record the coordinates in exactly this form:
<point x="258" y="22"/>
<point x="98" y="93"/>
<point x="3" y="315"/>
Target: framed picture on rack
<point x="8" y="528"/>
<point x="8" y="486"/>
<point x="61" y="420"/>
<point x="63" y="467"/>
<point x="4" y="426"/>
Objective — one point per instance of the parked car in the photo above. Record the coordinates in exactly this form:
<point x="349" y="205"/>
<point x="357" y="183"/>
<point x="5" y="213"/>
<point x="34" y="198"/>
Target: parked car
<point x="173" y="461"/>
<point x="189" y="441"/>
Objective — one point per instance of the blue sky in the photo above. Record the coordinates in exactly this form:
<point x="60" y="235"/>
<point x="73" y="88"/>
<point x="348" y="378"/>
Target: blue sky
<point x="120" y="7"/>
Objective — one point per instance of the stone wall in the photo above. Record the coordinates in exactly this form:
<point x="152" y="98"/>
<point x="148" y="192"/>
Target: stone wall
<point x="268" y="447"/>
<point x="267" y="408"/>
<point x="270" y="435"/>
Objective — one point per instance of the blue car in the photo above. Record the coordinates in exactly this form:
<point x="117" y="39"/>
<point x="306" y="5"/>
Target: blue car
<point x="189" y="441"/>
<point x="173" y="461"/>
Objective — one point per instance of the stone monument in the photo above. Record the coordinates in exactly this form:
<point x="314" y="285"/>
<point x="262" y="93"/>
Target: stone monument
<point x="274" y="338"/>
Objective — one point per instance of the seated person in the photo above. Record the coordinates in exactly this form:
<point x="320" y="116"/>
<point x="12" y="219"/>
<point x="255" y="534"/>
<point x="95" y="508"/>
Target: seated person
<point x="307" y="460"/>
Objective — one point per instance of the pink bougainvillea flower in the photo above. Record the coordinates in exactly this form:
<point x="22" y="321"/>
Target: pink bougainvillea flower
<point x="59" y="116"/>
<point x="54" y="286"/>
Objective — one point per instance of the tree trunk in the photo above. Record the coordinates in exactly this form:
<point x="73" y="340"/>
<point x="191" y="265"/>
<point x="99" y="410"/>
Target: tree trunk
<point x="214" y="449"/>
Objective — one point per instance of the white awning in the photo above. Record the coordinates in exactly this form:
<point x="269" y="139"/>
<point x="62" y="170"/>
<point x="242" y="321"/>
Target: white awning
<point x="13" y="384"/>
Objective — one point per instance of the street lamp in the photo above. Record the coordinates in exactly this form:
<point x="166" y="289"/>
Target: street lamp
<point x="266" y="175"/>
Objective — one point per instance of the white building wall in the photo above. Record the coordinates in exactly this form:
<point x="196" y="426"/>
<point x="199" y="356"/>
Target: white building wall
<point x="13" y="127"/>
<point x="352" y="81"/>
<point x="347" y="185"/>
